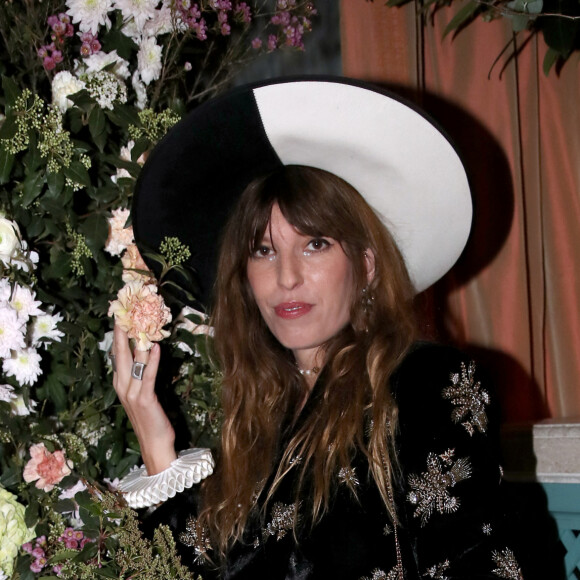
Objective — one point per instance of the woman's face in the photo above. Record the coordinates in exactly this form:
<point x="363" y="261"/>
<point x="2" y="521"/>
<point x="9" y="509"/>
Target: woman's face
<point x="303" y="287"/>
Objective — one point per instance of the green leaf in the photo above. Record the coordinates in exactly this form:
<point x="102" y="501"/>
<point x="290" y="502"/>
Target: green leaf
<point x="187" y="294"/>
<point x="82" y="100"/>
<point x="140" y="147"/>
<point x="56" y="392"/>
<point x="462" y="17"/>
<point x="78" y="173"/>
<point x="55" y="182"/>
<point x="123" y="115"/>
<point x="10" y="90"/>
<point x="64" y="555"/>
<point x="156" y="258"/>
<point x="106" y="572"/>
<point x="6" y="164"/>
<point x="97" y="127"/>
<point x="116" y="40"/>
<point x="560" y="34"/>
<point x="95" y="229"/>
<point x="9" y="127"/>
<point x="32" y="188"/>
<point x="550" y="60"/>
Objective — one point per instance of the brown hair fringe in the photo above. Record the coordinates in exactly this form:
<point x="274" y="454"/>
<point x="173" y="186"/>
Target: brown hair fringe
<point x="262" y="387"/>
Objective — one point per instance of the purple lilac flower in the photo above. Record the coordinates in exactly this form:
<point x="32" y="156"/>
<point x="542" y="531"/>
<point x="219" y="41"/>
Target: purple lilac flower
<point x="256" y="43"/>
<point x="243" y="13"/>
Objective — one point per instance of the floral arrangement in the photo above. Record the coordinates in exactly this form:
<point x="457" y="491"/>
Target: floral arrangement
<point x="87" y="89"/>
<point x="557" y="22"/>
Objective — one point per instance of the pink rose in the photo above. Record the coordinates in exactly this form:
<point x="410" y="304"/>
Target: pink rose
<point x="46" y="467"/>
<point x="142" y="313"/>
<point x="132" y="261"/>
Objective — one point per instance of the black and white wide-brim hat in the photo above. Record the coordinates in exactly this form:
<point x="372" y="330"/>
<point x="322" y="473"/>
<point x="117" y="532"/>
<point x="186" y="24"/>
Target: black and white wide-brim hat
<point x="387" y="149"/>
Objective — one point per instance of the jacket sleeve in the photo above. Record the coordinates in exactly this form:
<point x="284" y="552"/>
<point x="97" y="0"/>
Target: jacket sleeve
<point x="452" y="505"/>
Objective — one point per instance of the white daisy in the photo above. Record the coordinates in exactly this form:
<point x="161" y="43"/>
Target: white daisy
<point x="12" y="331"/>
<point x="90" y="14"/>
<point x="140" y="91"/>
<point x="45" y="326"/>
<point x="23" y="301"/>
<point x="139" y="11"/>
<point x="7" y="393"/>
<point x="24" y="366"/>
<point x="5" y="290"/>
<point x="98" y="61"/>
<point x="149" y="60"/>
<point x="20" y="408"/>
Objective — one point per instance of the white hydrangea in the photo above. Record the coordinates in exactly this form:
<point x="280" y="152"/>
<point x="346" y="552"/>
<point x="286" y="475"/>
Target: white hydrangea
<point x="99" y="60"/>
<point x="90" y="14"/>
<point x="24" y="303"/>
<point x="63" y="85"/>
<point x="149" y="60"/>
<point x="24" y="366"/>
<point x="12" y="330"/>
<point x="45" y="327"/>
<point x="106" y="88"/>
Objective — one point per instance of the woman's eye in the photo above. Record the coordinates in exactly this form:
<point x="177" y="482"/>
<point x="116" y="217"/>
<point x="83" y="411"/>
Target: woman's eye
<point x="317" y="244"/>
<point x="263" y="252"/>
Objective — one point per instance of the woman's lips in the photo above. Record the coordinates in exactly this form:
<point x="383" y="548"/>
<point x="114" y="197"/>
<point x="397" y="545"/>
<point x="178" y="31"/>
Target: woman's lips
<point x="291" y="310"/>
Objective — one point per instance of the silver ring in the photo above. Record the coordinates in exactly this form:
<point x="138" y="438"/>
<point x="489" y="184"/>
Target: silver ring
<point x="113" y="362"/>
<point x="137" y="370"/>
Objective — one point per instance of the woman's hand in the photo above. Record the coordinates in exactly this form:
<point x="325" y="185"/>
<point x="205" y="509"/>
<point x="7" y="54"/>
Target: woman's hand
<point x="154" y="430"/>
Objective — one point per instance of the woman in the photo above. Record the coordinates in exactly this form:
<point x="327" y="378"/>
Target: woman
<point x="347" y="450"/>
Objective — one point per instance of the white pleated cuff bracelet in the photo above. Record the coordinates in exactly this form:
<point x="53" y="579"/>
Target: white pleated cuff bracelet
<point x="142" y="490"/>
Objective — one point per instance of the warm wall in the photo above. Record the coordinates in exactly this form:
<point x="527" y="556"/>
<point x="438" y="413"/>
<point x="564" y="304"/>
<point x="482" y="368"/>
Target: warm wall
<point x="514" y="298"/>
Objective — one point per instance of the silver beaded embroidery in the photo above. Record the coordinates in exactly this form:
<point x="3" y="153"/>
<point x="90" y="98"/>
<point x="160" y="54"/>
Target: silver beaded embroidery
<point x="347" y="475"/>
<point x="282" y="520"/>
<point x="387" y="530"/>
<point x="507" y="566"/>
<point x="430" y="490"/>
<point x="469" y="400"/>
<point x="437" y="571"/>
<point x="378" y="574"/>
<point x="195" y="537"/>
<point x="486" y="529"/>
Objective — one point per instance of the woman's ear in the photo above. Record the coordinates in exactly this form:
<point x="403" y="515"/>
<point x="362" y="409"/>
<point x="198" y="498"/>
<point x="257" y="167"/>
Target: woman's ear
<point x="370" y="264"/>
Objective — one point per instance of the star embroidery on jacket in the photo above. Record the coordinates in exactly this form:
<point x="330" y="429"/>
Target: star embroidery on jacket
<point x="378" y="574"/>
<point x="437" y="571"/>
<point x="469" y="399"/>
<point x="195" y="537"/>
<point x="507" y="566"/>
<point x="430" y="490"/>
<point x="347" y="475"/>
<point x="283" y="516"/>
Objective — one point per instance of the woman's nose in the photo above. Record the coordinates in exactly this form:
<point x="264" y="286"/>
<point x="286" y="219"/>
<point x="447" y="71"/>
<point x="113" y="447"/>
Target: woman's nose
<point x="289" y="271"/>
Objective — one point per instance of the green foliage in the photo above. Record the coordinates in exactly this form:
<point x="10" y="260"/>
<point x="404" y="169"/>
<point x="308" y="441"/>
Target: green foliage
<point x="66" y="164"/>
<point x="558" y="21"/>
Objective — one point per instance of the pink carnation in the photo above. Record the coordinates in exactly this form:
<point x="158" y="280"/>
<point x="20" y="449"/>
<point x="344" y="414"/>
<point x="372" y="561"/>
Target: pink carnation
<point x="142" y="313"/>
<point x="132" y="261"/>
<point x="46" y="467"/>
<point x="120" y="237"/>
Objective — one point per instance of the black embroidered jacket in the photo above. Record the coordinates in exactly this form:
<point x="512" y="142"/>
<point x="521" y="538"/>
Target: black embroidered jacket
<point x="454" y="522"/>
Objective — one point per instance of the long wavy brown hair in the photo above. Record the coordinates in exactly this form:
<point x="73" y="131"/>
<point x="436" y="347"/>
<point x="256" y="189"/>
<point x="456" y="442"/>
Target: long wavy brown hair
<point x="262" y="389"/>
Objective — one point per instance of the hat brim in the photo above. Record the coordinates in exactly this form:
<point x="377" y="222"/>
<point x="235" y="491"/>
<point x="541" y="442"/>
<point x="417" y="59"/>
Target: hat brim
<point x="396" y="157"/>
